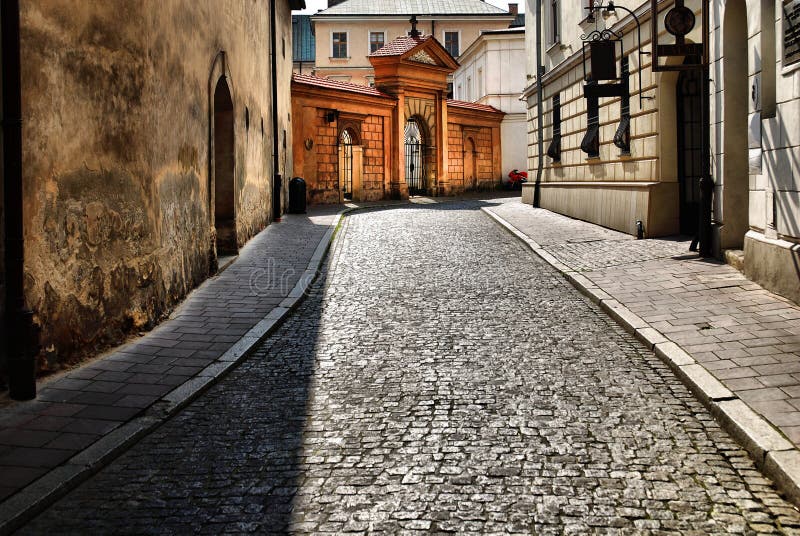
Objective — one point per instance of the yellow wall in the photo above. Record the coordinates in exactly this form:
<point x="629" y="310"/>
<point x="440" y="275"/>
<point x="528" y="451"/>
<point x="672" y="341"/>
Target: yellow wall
<point x="357" y="67"/>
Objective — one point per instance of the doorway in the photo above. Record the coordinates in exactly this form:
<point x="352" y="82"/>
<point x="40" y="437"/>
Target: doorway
<point x="346" y="165"/>
<point x="689" y="108"/>
<point x="224" y="205"/>
<point x="415" y="158"/>
<point x="470" y="167"/>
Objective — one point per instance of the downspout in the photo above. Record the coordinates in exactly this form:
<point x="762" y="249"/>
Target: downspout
<point x="537" y="188"/>
<point x="277" y="182"/>
<point x="21" y="345"/>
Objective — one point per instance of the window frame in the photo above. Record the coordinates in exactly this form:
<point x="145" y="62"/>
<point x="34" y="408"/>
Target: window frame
<point x="553" y="19"/>
<point x="785" y="62"/>
<point x="369" y="39"/>
<point x="444" y="41"/>
<point x="346" y="45"/>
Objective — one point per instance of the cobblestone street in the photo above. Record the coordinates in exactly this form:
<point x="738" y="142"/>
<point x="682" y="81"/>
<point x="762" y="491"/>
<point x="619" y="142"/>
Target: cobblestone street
<point x="439" y="378"/>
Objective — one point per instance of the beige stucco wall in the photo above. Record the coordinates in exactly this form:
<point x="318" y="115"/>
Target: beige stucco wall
<point x="117" y="106"/>
<point x="357" y="68"/>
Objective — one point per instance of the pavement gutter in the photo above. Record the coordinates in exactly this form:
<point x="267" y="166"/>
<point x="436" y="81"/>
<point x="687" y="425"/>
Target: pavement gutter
<point x="37" y="496"/>
<point x="774" y="455"/>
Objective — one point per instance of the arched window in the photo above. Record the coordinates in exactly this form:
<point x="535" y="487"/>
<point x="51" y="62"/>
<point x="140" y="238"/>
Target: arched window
<point x="346" y="167"/>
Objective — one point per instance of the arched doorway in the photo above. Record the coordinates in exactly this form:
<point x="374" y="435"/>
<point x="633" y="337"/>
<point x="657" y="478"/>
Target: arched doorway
<point x="470" y="165"/>
<point x="224" y="204"/>
<point x="735" y="189"/>
<point x="346" y="164"/>
<point x="415" y="158"/>
<point x="691" y="167"/>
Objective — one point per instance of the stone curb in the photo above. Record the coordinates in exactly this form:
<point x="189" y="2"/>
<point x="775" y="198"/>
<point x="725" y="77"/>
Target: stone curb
<point x="775" y="455"/>
<point x="37" y="496"/>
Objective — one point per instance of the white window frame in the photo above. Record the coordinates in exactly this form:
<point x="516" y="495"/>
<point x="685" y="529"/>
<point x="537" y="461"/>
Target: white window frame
<point x="444" y="39"/>
<point x="347" y="51"/>
<point x="369" y="38"/>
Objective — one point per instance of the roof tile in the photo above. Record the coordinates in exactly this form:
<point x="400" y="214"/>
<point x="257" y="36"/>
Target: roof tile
<point x="414" y="7"/>
<point x="336" y="84"/>
<point x="472" y="106"/>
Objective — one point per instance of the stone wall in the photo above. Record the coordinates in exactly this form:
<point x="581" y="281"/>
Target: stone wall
<point x="372" y="139"/>
<point x="325" y="187"/>
<point x="484" y="158"/>
<point x="117" y="103"/>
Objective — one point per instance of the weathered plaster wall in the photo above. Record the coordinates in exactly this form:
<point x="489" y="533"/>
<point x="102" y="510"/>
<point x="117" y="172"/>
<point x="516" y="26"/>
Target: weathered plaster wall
<point x="117" y="100"/>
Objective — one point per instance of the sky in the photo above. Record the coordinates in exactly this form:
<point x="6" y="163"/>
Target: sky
<point x="312" y="6"/>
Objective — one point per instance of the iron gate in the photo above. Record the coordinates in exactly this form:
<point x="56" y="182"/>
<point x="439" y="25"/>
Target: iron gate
<point x="347" y="165"/>
<point x="415" y="159"/>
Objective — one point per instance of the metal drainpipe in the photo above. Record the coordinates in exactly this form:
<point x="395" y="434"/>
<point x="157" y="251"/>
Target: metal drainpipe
<point x="277" y="182"/>
<point x="21" y="344"/>
<point x="537" y="188"/>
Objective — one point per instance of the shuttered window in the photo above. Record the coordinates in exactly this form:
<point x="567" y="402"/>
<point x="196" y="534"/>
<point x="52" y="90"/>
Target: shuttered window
<point x="791" y="31"/>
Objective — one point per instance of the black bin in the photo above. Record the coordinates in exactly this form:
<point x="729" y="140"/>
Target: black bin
<point x="297" y="196"/>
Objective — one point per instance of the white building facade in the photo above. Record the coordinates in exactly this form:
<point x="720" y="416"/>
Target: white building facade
<point x="492" y="73"/>
<point x="651" y="173"/>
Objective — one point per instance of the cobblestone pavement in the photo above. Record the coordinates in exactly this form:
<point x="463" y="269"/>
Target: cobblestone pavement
<point x="426" y="385"/>
<point x="744" y="335"/>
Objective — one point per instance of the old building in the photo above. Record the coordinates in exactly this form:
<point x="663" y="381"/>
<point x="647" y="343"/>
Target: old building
<point x="152" y="138"/>
<point x="304" y="53"/>
<point x="350" y="30"/>
<point x="619" y="161"/>
<point x="490" y="74"/>
<point x="402" y="137"/>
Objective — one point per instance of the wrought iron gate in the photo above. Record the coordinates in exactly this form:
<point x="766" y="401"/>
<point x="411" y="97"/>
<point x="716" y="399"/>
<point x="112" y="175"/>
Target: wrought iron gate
<point x="347" y="165"/>
<point x="415" y="159"/>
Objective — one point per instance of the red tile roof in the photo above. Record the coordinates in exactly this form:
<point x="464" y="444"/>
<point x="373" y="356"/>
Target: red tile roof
<point x="400" y="46"/>
<point x="472" y="106"/>
<point x="336" y="84"/>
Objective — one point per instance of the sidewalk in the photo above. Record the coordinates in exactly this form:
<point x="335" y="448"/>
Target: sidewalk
<point x="86" y="417"/>
<point x="735" y="344"/>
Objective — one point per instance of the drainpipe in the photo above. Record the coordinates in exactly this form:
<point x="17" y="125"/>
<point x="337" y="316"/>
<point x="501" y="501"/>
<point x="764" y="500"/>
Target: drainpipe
<point x="21" y="344"/>
<point x="277" y="182"/>
<point x="537" y="188"/>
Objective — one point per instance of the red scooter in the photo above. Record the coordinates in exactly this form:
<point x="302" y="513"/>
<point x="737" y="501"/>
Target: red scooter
<point x="516" y="178"/>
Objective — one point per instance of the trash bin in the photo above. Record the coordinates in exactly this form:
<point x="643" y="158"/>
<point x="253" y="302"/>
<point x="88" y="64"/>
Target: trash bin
<point x="297" y="196"/>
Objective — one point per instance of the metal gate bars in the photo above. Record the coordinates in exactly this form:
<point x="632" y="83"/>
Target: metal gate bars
<point x="415" y="159"/>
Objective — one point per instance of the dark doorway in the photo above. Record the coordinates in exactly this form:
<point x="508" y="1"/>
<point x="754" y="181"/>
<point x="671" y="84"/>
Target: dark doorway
<point x="689" y="106"/>
<point x="224" y="165"/>
<point x="415" y="158"/>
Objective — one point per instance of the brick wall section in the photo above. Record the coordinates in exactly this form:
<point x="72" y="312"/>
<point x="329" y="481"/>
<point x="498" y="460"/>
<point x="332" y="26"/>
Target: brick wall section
<point x="455" y="143"/>
<point x="326" y="189"/>
<point x="485" y="158"/>
<point x="372" y="140"/>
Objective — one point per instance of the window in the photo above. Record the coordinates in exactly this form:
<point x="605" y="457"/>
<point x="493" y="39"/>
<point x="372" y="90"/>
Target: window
<point x="554" y="150"/>
<point x="339" y="45"/>
<point x="451" y="43"/>
<point x="587" y="5"/>
<point x="450" y="90"/>
<point x="554" y="22"/>
<point x="791" y="32"/>
<point x="376" y="41"/>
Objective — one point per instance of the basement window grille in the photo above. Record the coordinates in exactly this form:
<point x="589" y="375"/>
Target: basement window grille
<point x="554" y="150"/>
<point x="791" y="31"/>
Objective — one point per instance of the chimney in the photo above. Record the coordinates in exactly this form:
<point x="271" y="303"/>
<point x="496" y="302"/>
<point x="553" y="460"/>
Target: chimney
<point x="513" y="9"/>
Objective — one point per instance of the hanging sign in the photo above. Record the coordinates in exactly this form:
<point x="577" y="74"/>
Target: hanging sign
<point x="678" y="44"/>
